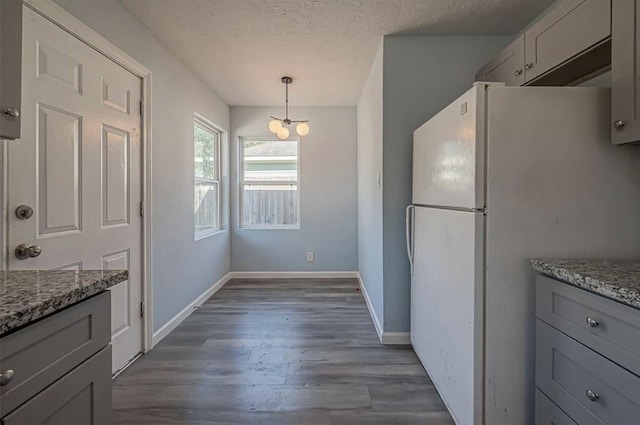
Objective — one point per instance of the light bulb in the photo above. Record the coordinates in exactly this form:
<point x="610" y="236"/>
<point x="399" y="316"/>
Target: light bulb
<point x="302" y="129"/>
<point x="275" y="126"/>
<point x="283" y="133"/>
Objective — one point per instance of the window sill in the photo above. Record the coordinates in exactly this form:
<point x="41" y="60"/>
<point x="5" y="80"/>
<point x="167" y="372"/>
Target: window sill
<point x="207" y="234"/>
<point x="269" y="227"/>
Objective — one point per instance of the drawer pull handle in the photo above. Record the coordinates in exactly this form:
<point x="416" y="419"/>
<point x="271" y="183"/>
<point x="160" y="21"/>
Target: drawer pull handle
<point x="592" y="395"/>
<point x="593" y="323"/>
<point x="5" y="377"/>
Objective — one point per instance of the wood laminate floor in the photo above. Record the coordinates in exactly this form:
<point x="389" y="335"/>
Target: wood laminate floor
<point x="281" y="352"/>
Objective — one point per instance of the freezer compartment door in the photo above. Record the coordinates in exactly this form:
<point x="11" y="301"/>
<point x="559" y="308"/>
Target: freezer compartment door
<point x="448" y="155"/>
<point x="447" y="306"/>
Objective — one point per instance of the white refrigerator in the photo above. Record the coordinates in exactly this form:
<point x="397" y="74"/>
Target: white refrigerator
<point x="500" y="176"/>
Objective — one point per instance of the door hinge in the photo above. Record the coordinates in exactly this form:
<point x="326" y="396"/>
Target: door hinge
<point x="141" y="209"/>
<point x="142" y="108"/>
<point x="142" y="309"/>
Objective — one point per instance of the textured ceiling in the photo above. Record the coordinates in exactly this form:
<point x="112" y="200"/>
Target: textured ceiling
<point x="241" y="48"/>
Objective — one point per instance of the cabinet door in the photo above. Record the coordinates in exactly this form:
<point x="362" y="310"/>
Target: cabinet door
<point x="569" y="29"/>
<point x="10" y="68"/>
<point x="82" y="397"/>
<point x="625" y="72"/>
<point x="507" y="67"/>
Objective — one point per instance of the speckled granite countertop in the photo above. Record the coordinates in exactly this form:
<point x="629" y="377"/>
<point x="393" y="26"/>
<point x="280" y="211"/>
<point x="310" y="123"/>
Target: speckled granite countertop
<point x="619" y="280"/>
<point x="26" y="296"/>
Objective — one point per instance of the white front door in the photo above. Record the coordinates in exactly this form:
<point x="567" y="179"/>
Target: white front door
<point x="78" y="166"/>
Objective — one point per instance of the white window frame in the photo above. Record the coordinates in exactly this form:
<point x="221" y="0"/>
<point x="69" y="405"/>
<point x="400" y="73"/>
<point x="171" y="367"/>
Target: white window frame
<point x="242" y="183"/>
<point x="206" y="125"/>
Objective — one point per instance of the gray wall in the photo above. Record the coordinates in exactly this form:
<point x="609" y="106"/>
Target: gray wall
<point x="369" y="194"/>
<point x="182" y="269"/>
<point x="328" y="195"/>
<point x="422" y="74"/>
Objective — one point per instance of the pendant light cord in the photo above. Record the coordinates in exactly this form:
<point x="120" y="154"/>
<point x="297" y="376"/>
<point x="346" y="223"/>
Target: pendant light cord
<point x="286" y="101"/>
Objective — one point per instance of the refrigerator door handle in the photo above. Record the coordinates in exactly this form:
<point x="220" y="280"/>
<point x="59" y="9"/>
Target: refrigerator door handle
<point x="409" y="234"/>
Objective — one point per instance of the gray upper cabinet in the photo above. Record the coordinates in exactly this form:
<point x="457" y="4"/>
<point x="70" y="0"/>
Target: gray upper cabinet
<point x="507" y="66"/>
<point x="569" y="29"/>
<point x="10" y="68"/>
<point x="625" y="72"/>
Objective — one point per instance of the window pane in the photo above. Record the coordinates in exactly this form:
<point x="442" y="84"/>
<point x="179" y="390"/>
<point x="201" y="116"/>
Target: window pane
<point x="270" y="160"/>
<point x="206" y="206"/>
<point x="270" y="205"/>
<point x="205" y="151"/>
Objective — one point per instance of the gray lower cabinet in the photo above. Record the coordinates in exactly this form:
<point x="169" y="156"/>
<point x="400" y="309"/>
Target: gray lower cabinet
<point x="10" y="68"/>
<point x="60" y="368"/>
<point x="83" y="396"/>
<point x="587" y="357"/>
<point x="625" y="72"/>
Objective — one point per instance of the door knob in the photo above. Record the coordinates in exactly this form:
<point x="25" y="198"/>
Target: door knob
<point x="6" y="377"/>
<point x="24" y="212"/>
<point x="619" y="124"/>
<point x="528" y="66"/>
<point x="518" y="72"/>
<point x="27" y="250"/>
<point x="12" y="112"/>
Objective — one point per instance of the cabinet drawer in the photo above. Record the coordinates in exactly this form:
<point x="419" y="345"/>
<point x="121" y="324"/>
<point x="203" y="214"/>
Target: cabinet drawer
<point x="547" y="413"/>
<point x="566" y="371"/>
<point x="608" y="327"/>
<point x="569" y="29"/>
<point x="82" y="397"/>
<point x="41" y="353"/>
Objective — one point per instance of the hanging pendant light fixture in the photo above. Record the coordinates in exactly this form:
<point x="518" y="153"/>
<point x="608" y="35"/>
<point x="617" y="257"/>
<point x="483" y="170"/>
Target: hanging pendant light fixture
<point x="279" y="126"/>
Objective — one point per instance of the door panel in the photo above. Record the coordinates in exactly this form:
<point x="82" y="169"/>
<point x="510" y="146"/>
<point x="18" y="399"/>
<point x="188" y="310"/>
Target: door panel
<point x="79" y="167"/>
<point x="59" y="68"/>
<point x="115" y="177"/>
<point x="447" y="306"/>
<point x="58" y="153"/>
<point x="121" y="317"/>
<point x="116" y="96"/>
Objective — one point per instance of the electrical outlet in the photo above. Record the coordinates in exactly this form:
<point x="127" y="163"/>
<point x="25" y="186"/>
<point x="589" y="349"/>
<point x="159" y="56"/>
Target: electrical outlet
<point x="309" y="257"/>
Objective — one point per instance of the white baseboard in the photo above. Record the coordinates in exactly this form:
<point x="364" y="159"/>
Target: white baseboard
<point x="293" y="275"/>
<point x="372" y="312"/>
<point x="387" y="338"/>
<point x="178" y="318"/>
<point x="396" y="338"/>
